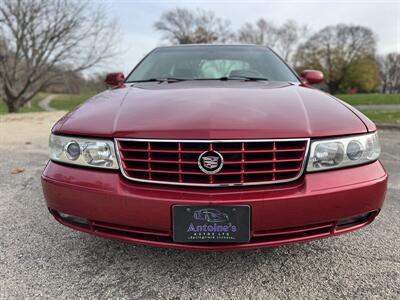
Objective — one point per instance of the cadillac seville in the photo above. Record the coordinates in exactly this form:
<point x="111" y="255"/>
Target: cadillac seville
<point x="214" y="147"/>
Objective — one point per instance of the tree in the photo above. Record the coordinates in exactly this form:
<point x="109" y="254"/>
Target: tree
<point x="38" y="38"/>
<point x="262" y="33"/>
<point x="335" y="50"/>
<point x="96" y="82"/>
<point x="67" y="82"/>
<point x="283" y="39"/>
<point x="290" y="35"/>
<point x="363" y="75"/>
<point x="390" y="72"/>
<point x="184" y="26"/>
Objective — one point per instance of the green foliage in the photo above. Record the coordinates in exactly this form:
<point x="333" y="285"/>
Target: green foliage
<point x="363" y="74"/>
<point x="346" y="56"/>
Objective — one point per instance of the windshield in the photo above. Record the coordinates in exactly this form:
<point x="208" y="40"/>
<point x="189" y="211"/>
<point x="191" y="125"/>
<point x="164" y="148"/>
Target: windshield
<point x="212" y="62"/>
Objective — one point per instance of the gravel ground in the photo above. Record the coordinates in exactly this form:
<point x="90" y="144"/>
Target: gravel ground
<point x="40" y="258"/>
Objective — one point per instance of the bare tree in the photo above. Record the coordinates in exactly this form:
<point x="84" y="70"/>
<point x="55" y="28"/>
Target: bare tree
<point x="96" y="82"/>
<point x="390" y="72"/>
<point x="335" y="49"/>
<point x="262" y="33"/>
<point x="37" y="38"/>
<point x="290" y="36"/>
<point x="1" y="90"/>
<point x="184" y="26"/>
<point x="67" y="82"/>
<point x="283" y="39"/>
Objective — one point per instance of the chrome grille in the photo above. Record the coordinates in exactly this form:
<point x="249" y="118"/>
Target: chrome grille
<point x="246" y="162"/>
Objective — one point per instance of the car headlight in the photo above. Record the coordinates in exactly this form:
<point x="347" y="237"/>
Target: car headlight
<point x="83" y="151"/>
<point x="342" y="152"/>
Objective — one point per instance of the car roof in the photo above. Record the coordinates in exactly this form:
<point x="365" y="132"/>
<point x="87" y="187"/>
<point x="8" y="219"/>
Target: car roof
<point x="212" y="46"/>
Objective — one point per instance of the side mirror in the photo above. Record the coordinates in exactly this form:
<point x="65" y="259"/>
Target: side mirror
<point x="312" y="76"/>
<point x="115" y="80"/>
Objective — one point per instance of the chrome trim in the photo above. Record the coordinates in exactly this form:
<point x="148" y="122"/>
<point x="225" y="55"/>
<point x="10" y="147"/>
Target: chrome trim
<point x="304" y="163"/>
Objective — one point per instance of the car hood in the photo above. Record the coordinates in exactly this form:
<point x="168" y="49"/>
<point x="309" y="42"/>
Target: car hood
<point x="212" y="110"/>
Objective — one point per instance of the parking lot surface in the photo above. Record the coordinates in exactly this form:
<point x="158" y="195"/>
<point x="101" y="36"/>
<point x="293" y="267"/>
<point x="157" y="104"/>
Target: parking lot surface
<point x="41" y="258"/>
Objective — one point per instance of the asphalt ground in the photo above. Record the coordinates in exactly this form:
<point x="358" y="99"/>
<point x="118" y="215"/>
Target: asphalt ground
<point x="40" y="258"/>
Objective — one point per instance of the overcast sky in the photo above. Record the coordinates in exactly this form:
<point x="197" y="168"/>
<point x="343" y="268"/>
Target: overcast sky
<point x="136" y="19"/>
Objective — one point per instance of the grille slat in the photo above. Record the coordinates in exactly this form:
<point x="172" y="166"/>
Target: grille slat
<point x="124" y="149"/>
<point x="226" y="162"/>
<point x="245" y="162"/>
<point x="220" y="173"/>
<point x="180" y="161"/>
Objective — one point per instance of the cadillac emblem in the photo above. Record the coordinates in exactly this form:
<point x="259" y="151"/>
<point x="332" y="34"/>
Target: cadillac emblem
<point x="210" y="162"/>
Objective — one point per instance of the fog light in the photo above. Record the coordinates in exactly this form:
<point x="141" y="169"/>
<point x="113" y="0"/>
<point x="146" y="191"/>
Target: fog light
<point x="354" y="220"/>
<point x="73" y="219"/>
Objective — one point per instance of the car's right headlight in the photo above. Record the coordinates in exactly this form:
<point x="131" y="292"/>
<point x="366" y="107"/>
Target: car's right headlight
<point x="88" y="152"/>
<point x="343" y="152"/>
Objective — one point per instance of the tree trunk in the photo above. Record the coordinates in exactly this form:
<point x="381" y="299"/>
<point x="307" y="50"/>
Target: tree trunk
<point x="12" y="105"/>
<point x="384" y="87"/>
<point x="15" y="103"/>
<point x="333" y="87"/>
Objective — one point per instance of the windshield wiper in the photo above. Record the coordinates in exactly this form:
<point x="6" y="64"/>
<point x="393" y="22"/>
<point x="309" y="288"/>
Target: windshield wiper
<point x="224" y="78"/>
<point x="245" y="78"/>
<point x="166" y="79"/>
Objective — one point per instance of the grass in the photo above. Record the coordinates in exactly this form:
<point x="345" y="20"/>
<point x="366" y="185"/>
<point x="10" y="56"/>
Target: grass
<point x="376" y="115"/>
<point x="365" y="99"/>
<point x="69" y="101"/>
<point x="384" y="115"/>
<point x="3" y="107"/>
<point x="34" y="105"/>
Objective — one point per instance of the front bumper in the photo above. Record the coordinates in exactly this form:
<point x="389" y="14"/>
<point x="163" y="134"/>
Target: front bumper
<point x="303" y="210"/>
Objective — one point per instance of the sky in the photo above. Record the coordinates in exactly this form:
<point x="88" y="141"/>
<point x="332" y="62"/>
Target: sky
<point x="136" y="19"/>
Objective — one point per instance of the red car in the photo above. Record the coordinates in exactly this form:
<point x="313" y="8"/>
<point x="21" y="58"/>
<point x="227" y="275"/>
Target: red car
<point x="214" y="147"/>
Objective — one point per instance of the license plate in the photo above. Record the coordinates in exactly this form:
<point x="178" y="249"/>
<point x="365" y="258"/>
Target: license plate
<point x="211" y="224"/>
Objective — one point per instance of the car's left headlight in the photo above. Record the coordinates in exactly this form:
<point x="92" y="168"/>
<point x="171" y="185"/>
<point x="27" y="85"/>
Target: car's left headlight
<point x="342" y="152"/>
<point x="87" y="152"/>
